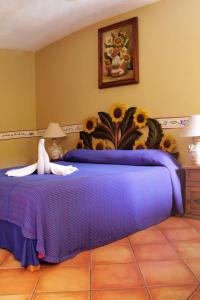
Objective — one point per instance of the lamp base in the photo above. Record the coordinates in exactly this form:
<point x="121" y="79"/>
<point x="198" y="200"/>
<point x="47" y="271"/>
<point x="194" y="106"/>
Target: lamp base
<point x="55" y="150"/>
<point x="194" y="151"/>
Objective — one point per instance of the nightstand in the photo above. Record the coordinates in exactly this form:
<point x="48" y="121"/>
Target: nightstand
<point x="192" y="191"/>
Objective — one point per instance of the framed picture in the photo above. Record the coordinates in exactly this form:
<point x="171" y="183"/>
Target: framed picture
<point x="118" y="54"/>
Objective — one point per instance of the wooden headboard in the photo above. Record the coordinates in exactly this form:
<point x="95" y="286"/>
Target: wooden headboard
<point x="124" y="129"/>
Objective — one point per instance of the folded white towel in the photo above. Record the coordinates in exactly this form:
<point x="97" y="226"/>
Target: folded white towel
<point x="22" y="171"/>
<point x="62" y="170"/>
<point x="40" y="162"/>
<point x="43" y="165"/>
<point x="43" y="159"/>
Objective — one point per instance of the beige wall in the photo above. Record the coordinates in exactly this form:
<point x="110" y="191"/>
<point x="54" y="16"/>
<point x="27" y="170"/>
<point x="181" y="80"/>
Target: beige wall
<point x="66" y="77"/>
<point x="17" y="105"/>
<point x="169" y="50"/>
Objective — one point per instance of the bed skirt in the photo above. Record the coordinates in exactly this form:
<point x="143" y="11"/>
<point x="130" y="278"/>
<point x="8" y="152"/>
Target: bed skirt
<point x="23" y="249"/>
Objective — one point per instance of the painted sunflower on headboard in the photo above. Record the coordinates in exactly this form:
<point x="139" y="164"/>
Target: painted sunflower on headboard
<point x="121" y="129"/>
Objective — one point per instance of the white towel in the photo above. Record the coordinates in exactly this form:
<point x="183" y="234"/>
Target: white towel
<point x="22" y="171"/>
<point x="43" y="165"/>
<point x="40" y="162"/>
<point x="62" y="170"/>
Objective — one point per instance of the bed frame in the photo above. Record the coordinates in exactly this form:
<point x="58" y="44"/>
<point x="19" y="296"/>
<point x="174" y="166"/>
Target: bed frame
<point x="125" y="129"/>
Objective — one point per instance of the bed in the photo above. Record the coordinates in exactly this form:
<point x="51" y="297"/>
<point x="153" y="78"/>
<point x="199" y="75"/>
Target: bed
<point x="113" y="194"/>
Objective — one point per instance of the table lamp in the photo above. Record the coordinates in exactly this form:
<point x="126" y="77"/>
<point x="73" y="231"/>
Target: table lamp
<point x="54" y="131"/>
<point x="192" y="129"/>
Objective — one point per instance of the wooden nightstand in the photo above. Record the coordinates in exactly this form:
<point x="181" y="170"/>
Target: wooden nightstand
<point x="192" y="191"/>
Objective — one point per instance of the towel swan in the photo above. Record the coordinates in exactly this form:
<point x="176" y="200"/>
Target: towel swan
<point x="43" y="165"/>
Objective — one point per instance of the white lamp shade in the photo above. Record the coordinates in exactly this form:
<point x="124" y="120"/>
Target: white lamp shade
<point x="54" y="131"/>
<point x="192" y="128"/>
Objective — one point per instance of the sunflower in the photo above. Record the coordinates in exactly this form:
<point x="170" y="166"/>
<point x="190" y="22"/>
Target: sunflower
<point x="168" y="143"/>
<point x="98" y="144"/>
<point x="126" y="57"/>
<point x="139" y="144"/>
<point x="123" y="34"/>
<point x="90" y="124"/>
<point x="118" y="41"/>
<point x="80" y="144"/>
<point x="117" y="112"/>
<point x="140" y="118"/>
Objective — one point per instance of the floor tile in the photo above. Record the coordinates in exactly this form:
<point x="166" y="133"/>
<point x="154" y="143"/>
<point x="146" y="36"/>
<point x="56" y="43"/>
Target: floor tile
<point x="10" y="263"/>
<point x="147" y="236"/>
<point x="66" y="296"/>
<point x="130" y="294"/>
<point x="3" y="254"/>
<point x="181" y="234"/>
<point x="188" y="249"/>
<point x="194" y="222"/>
<point x="154" y="227"/>
<point x="155" y="252"/>
<point x="17" y="281"/>
<point x="121" y="242"/>
<point x="174" y="222"/>
<point x="64" y="279"/>
<point x="172" y="292"/>
<point x="194" y="265"/>
<point x="15" y="297"/>
<point x="113" y="253"/>
<point x="116" y="276"/>
<point x="160" y="273"/>
<point x="196" y="295"/>
<point x="80" y="259"/>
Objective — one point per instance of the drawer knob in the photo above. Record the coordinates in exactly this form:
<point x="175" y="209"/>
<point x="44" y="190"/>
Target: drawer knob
<point x="197" y="201"/>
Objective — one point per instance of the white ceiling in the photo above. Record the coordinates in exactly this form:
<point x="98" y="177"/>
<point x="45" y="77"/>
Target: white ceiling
<point x="33" y="24"/>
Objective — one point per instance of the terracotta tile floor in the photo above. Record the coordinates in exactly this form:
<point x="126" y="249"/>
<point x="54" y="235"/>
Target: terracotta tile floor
<point x="159" y="263"/>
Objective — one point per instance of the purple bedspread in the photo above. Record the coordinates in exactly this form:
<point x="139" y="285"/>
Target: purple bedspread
<point x="113" y="194"/>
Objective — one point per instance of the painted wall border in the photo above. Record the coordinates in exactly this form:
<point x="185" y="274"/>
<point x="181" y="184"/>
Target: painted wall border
<point x="167" y="123"/>
<point x="8" y="135"/>
<point x="173" y="122"/>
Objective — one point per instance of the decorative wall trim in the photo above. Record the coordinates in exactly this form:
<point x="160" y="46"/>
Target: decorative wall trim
<point x="17" y="134"/>
<point x="173" y="123"/>
<point x="8" y="135"/>
<point x="67" y="129"/>
<point x="170" y="123"/>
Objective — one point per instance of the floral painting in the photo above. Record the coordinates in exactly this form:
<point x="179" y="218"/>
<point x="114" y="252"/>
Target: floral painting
<point x="118" y="54"/>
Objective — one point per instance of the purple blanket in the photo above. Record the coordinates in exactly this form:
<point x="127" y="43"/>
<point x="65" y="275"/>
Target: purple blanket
<point x="134" y="158"/>
<point x="113" y="194"/>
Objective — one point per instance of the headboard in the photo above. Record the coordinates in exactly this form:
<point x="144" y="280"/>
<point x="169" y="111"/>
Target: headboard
<point x="125" y="129"/>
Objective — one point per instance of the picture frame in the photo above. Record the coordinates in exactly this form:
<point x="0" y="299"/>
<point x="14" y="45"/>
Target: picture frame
<point x="118" y="54"/>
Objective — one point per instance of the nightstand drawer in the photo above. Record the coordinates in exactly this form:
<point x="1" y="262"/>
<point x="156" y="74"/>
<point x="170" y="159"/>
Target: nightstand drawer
<point x="193" y="200"/>
<point x="192" y="183"/>
<point x="193" y="175"/>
